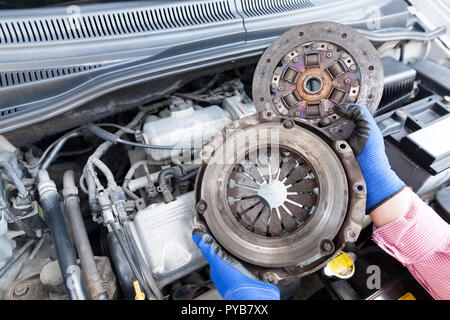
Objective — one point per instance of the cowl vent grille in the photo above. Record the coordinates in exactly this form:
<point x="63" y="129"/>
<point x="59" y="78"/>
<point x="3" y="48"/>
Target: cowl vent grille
<point x="7" y="112"/>
<point x="254" y="8"/>
<point x="12" y="78"/>
<point x="94" y="25"/>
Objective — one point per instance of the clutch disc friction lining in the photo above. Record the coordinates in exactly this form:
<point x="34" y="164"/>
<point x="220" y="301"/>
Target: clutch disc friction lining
<point x="311" y="68"/>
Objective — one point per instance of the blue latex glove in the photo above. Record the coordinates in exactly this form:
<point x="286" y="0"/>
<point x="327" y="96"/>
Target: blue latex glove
<point x="368" y="145"/>
<point x="230" y="277"/>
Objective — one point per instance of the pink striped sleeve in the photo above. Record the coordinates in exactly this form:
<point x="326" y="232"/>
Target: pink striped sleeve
<point x="421" y="242"/>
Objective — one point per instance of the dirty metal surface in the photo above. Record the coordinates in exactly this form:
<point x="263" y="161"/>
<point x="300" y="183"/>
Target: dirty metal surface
<point x="280" y="194"/>
<point x="313" y="67"/>
<point x="276" y="195"/>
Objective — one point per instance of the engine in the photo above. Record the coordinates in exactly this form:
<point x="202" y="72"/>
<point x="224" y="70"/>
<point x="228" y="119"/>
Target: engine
<point x="257" y="156"/>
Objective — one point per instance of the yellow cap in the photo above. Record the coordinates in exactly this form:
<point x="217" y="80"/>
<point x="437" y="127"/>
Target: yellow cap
<point x="137" y="288"/>
<point x="407" y="296"/>
<point x="342" y="266"/>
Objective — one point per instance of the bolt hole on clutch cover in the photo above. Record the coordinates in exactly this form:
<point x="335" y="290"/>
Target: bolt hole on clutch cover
<point x="313" y="67"/>
<point x="280" y="194"/>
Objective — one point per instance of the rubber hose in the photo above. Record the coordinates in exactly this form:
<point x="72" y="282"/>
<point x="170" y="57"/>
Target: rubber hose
<point x="81" y="239"/>
<point x="151" y="281"/>
<point x="177" y="174"/>
<point x="64" y="251"/>
<point x="52" y="156"/>
<point x="23" y="192"/>
<point x="130" y="260"/>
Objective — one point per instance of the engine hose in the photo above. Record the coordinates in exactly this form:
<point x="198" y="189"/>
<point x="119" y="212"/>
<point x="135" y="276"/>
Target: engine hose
<point x="23" y="192"/>
<point x="98" y="153"/>
<point x="4" y="207"/>
<point x="93" y="182"/>
<point x="106" y="172"/>
<point x="393" y="34"/>
<point x="64" y="251"/>
<point x="130" y="260"/>
<point x="111" y="137"/>
<point x="177" y="173"/>
<point x="131" y="172"/>
<point x="92" y="196"/>
<point x="147" y="273"/>
<point x="28" y="232"/>
<point x="208" y="85"/>
<point x="26" y="181"/>
<point x="82" y="184"/>
<point x="199" y="98"/>
<point x="81" y="239"/>
<point x="105" y="146"/>
<point x="118" y="197"/>
<point x="130" y="194"/>
<point x="53" y="154"/>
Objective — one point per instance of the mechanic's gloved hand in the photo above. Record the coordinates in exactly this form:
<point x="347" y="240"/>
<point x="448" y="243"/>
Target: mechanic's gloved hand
<point x="368" y="145"/>
<point x="230" y="277"/>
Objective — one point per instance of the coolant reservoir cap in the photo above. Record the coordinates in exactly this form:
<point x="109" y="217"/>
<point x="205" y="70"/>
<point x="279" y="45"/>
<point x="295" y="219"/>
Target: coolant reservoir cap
<point x="181" y="108"/>
<point x="342" y="267"/>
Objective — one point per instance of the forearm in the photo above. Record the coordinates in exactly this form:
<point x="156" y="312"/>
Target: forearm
<point x="392" y="209"/>
<point x="409" y="230"/>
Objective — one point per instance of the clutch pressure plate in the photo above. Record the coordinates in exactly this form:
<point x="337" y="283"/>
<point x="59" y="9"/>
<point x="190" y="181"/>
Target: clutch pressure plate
<point x="279" y="194"/>
<point x="281" y="190"/>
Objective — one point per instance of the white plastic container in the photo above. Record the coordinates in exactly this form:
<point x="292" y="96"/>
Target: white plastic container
<point x="184" y="128"/>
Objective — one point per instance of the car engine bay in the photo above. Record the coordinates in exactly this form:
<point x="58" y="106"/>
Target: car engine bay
<point x="255" y="154"/>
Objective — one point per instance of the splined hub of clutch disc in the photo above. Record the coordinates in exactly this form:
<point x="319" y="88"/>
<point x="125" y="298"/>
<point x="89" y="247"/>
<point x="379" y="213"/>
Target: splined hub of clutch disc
<point x="280" y="194"/>
<point x="312" y="68"/>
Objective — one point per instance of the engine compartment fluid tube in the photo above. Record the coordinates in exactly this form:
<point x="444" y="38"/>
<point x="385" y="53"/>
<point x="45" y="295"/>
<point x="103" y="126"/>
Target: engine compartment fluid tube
<point x="87" y="260"/>
<point x="64" y="251"/>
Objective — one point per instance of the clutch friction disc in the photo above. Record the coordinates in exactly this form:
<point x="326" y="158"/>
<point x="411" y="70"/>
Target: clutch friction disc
<point x="311" y="68"/>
